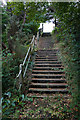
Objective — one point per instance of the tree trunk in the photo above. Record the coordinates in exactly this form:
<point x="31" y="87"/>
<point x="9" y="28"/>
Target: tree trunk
<point x="55" y="22"/>
<point x="3" y="45"/>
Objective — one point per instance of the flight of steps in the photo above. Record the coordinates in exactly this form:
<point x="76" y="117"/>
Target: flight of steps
<point x="47" y="74"/>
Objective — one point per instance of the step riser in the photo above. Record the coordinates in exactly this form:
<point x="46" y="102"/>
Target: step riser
<point x="43" y="51"/>
<point x="47" y="57"/>
<point x="47" y="62"/>
<point x="63" y="92"/>
<point x="42" y="68"/>
<point x="39" y="86"/>
<point x="42" y="74"/>
<point x="48" y="87"/>
<point x="45" y="54"/>
<point x="48" y="77"/>
<point x="49" y="81"/>
<point x="53" y="50"/>
<point x="37" y="72"/>
<point x="47" y="65"/>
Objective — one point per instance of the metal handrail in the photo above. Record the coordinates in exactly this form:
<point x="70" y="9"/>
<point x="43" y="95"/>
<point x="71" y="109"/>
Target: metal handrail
<point x="22" y="72"/>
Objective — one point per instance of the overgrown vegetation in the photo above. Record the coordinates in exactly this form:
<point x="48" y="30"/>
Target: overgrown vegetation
<point x="68" y="31"/>
<point x="19" y="22"/>
<point x="56" y="107"/>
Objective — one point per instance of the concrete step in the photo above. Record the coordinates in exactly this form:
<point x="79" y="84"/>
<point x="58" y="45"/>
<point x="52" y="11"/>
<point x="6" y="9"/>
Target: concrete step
<point x="48" y="90"/>
<point x="48" y="65"/>
<point x="48" y="76"/>
<point x="44" y="60"/>
<point x="47" y="62"/>
<point x="48" y="80"/>
<point x="42" y="95"/>
<point x="48" y="50"/>
<point x="46" y="57"/>
<point x="47" y="72"/>
<point x="46" y="53"/>
<point x="40" y="74"/>
<point x="48" y="68"/>
<point x="54" y="55"/>
<point x="48" y="85"/>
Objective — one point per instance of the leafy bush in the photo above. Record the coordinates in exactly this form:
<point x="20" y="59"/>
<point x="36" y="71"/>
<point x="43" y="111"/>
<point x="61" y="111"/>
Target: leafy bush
<point x="9" y="70"/>
<point x="68" y="37"/>
<point x="31" y="27"/>
<point x="12" y="102"/>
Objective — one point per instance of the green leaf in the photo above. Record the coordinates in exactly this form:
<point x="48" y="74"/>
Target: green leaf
<point x="8" y="93"/>
<point x="13" y="104"/>
<point x="23" y="97"/>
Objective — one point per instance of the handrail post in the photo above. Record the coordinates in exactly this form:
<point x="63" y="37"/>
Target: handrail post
<point x="38" y="35"/>
<point x="32" y="43"/>
<point x="20" y="77"/>
<point x="22" y="81"/>
<point x="37" y="38"/>
<point x="31" y="46"/>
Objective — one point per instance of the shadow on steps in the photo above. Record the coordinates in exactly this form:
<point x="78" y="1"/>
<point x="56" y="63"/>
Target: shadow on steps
<point x="46" y="34"/>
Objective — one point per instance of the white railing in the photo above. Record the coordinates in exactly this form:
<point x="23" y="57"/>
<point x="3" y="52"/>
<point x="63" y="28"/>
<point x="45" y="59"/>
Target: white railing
<point x="22" y="72"/>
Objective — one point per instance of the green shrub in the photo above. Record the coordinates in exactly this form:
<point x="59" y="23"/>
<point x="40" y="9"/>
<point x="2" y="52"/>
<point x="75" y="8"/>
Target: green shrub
<point x="9" y="70"/>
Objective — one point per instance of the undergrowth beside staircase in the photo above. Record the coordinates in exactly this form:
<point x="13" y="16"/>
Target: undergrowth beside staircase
<point x="69" y="55"/>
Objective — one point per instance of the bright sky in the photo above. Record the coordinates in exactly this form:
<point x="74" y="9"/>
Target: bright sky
<point x="47" y="27"/>
<point x="4" y="2"/>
